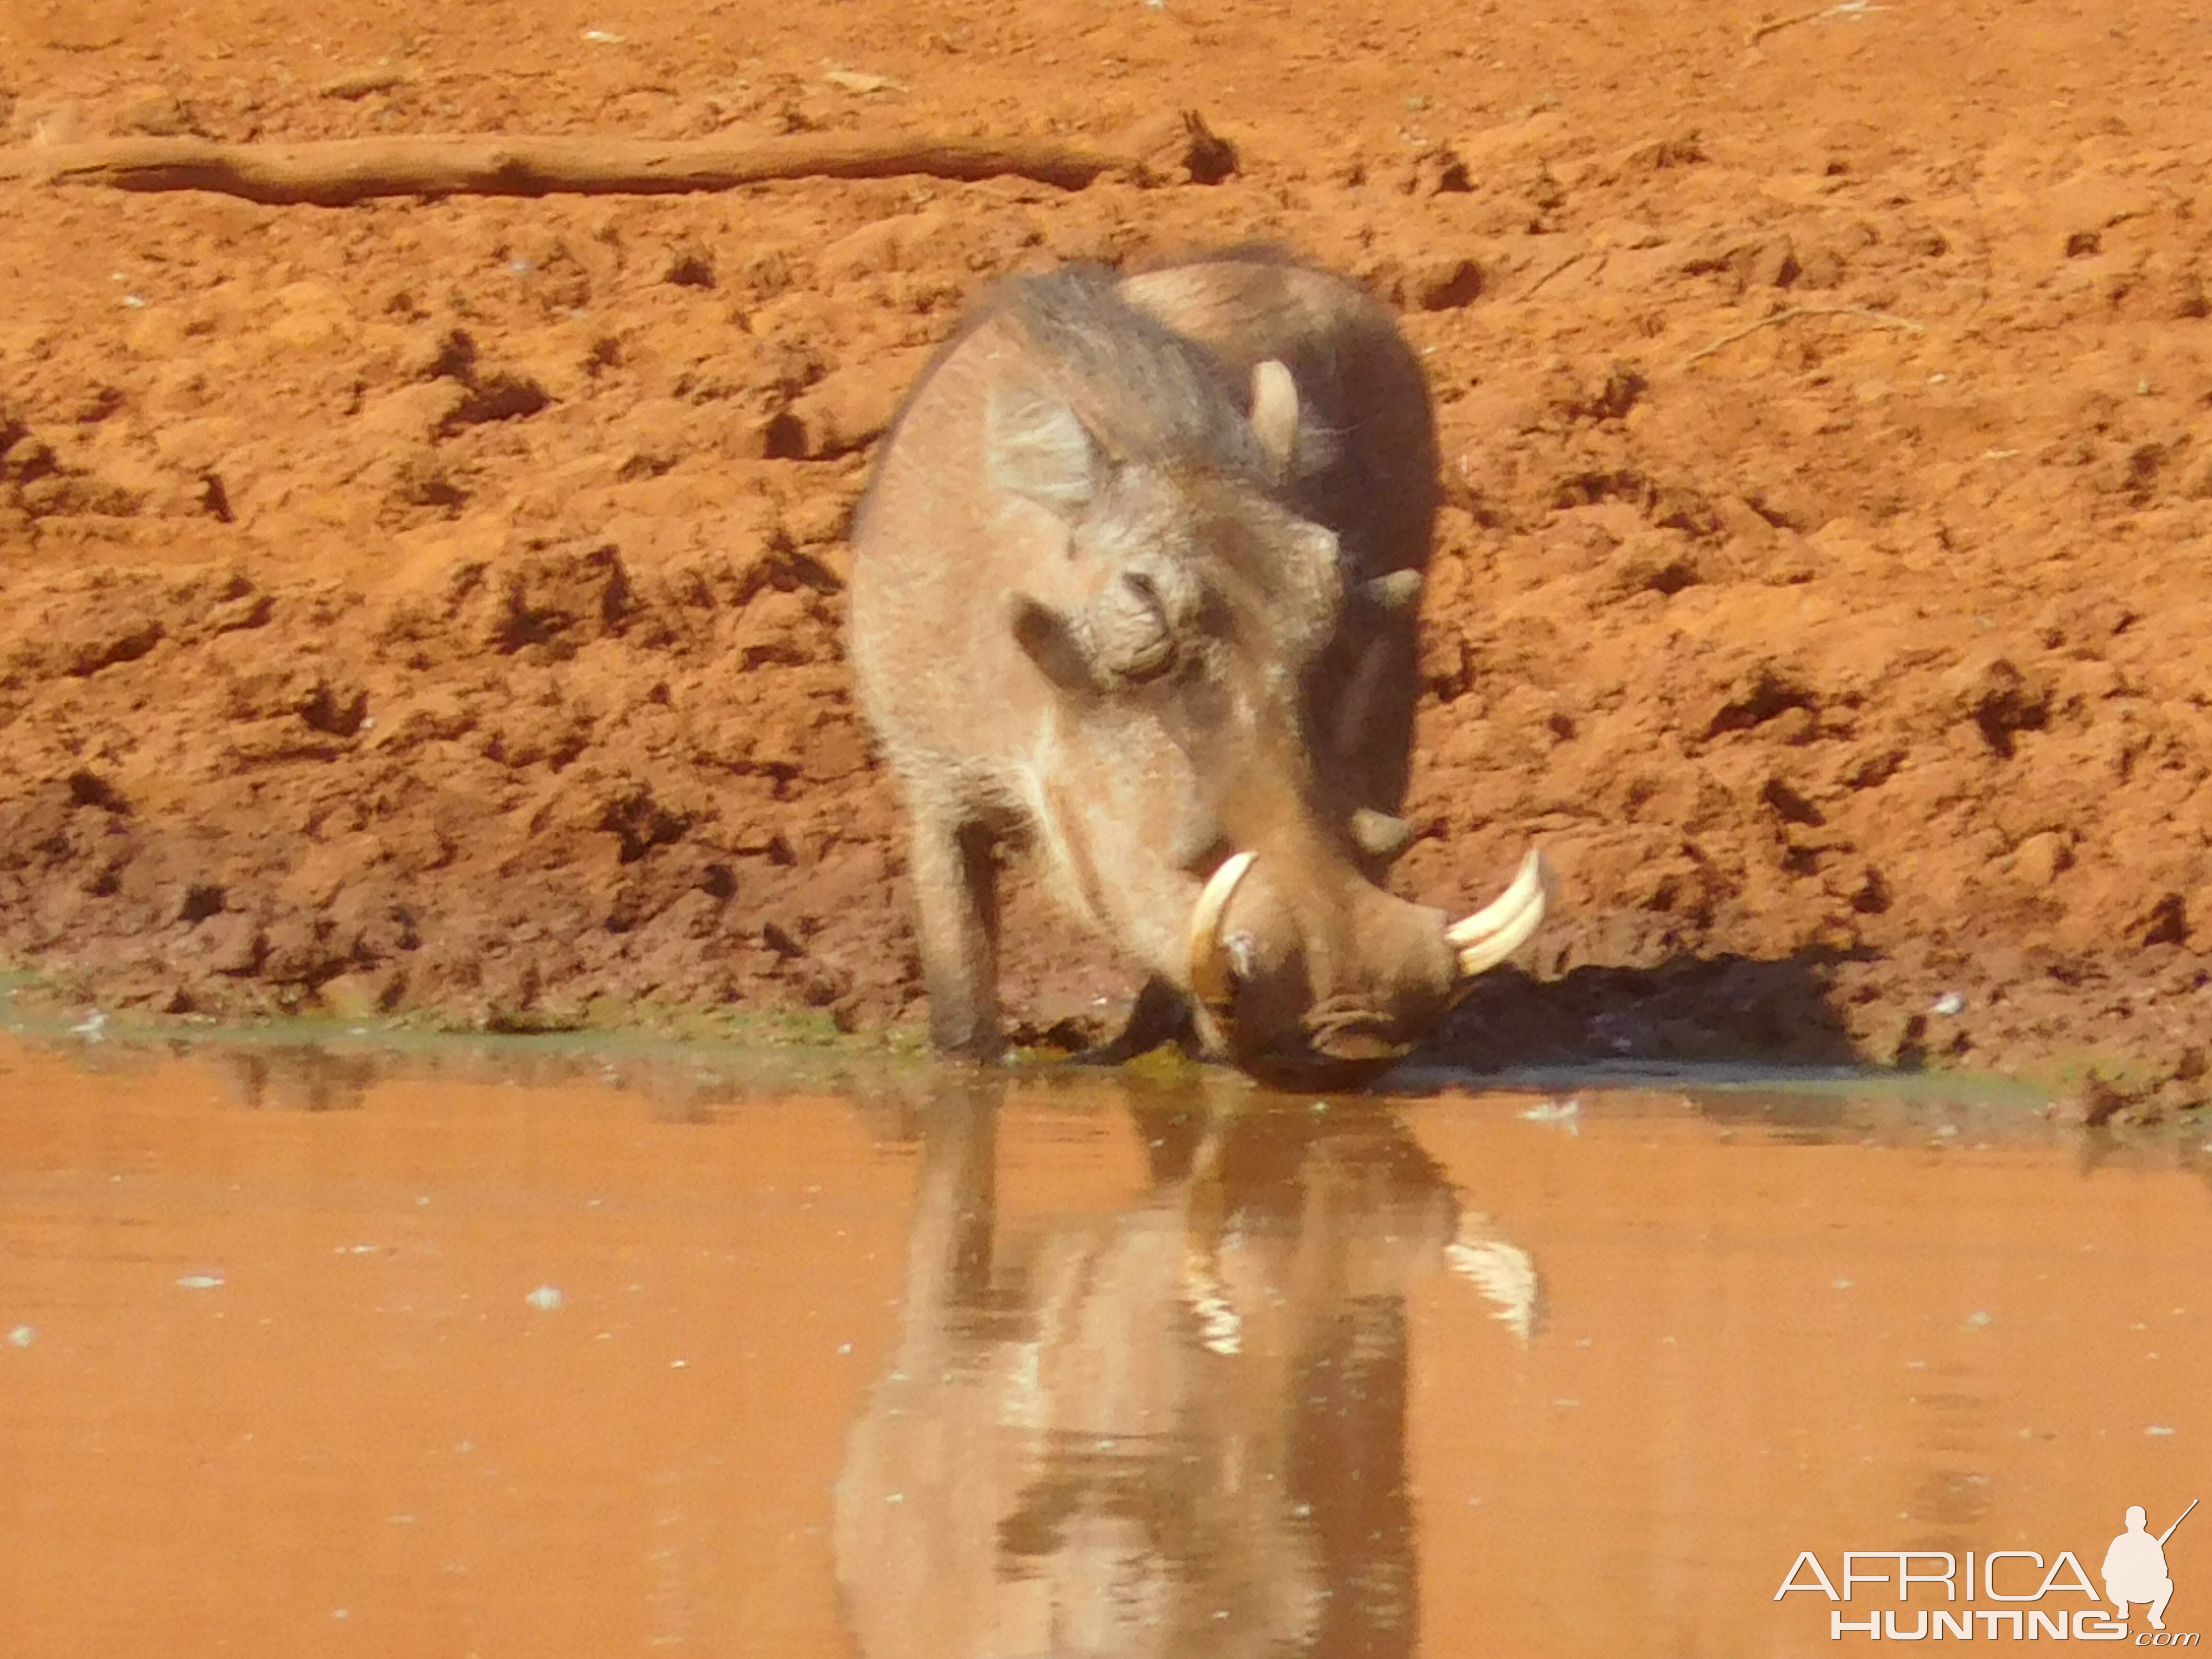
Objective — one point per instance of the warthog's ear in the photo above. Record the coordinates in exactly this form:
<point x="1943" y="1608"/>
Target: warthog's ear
<point x="1275" y="413"/>
<point x="1036" y="447"/>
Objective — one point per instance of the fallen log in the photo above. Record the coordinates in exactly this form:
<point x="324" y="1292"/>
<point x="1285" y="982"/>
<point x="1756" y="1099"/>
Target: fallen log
<point x="338" y="171"/>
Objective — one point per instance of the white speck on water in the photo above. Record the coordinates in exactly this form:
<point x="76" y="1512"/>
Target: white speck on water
<point x="679" y="1364"/>
<point x="521" y="267"/>
<point x="894" y="1497"/>
<point x="135" y="301"/>
<point x="1565" y="1113"/>
<point x="22" y="1336"/>
<point x="466" y="1446"/>
<point x="603" y="37"/>
<point x="92" y="1026"/>
<point x="337" y="1613"/>
<point x="2159" y="1429"/>
<point x="201" y="1282"/>
<point x="1842" y="1284"/>
<point x="1565" y="1401"/>
<point x="1980" y="1320"/>
<point x="423" y="1202"/>
<point x="545" y="1298"/>
<point x="1950" y="1003"/>
<point x="844" y="1347"/>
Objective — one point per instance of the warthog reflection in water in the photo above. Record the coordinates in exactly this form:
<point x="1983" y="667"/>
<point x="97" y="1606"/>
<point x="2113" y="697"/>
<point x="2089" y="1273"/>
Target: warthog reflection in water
<point x="1176" y="1430"/>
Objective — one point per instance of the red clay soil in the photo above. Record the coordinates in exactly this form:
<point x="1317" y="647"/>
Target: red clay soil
<point x="435" y="604"/>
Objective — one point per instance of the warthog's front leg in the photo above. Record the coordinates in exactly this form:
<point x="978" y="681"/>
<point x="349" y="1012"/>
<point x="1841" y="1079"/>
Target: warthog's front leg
<point x="957" y="897"/>
<point x="1160" y="1014"/>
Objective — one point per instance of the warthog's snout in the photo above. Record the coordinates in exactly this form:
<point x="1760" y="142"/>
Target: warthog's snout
<point x="1292" y="996"/>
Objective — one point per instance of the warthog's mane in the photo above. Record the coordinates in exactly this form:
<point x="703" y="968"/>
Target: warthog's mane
<point x="1147" y="394"/>
<point x="1153" y="398"/>
<point x="1150" y="396"/>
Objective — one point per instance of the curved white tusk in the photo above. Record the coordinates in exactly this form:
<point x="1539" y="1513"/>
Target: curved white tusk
<point x="1529" y="881"/>
<point x="1503" y="926"/>
<point x="1209" y="974"/>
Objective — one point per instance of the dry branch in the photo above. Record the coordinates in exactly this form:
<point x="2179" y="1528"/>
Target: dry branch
<point x="334" y="172"/>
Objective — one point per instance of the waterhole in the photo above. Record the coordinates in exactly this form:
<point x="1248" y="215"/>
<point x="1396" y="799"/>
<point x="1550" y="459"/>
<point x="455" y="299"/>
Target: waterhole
<point x="545" y="1348"/>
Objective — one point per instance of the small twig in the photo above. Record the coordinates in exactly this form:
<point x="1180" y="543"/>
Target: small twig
<point x="1559" y="269"/>
<point x="1841" y="8"/>
<point x="1864" y="313"/>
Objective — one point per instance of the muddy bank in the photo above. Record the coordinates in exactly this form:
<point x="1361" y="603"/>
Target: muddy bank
<point x="435" y="606"/>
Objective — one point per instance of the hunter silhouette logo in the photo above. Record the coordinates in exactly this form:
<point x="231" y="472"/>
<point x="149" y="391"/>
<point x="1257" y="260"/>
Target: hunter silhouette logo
<point x="1955" y="1593"/>
<point x="2134" y="1566"/>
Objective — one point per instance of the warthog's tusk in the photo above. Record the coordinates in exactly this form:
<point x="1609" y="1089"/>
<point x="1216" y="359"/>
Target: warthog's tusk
<point x="1502" y="926"/>
<point x="1209" y="966"/>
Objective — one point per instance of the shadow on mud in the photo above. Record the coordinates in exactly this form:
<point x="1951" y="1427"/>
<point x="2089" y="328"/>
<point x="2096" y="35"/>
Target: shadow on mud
<point x="1692" y="1009"/>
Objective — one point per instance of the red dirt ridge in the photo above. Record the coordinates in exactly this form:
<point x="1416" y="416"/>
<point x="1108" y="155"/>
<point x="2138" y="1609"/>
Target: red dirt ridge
<point x="435" y="604"/>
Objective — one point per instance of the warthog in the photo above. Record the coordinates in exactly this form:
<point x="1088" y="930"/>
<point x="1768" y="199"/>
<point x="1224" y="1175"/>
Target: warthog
<point x="1134" y="584"/>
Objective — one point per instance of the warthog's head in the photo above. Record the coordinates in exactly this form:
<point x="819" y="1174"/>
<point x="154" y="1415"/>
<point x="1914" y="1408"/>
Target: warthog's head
<point x="1181" y="636"/>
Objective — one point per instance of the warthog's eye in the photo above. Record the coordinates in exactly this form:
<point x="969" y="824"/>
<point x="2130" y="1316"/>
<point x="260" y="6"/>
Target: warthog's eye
<point x="1134" y="642"/>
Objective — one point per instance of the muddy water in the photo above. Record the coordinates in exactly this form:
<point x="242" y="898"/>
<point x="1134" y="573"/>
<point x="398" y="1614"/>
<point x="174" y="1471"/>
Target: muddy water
<point x="546" y="1352"/>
